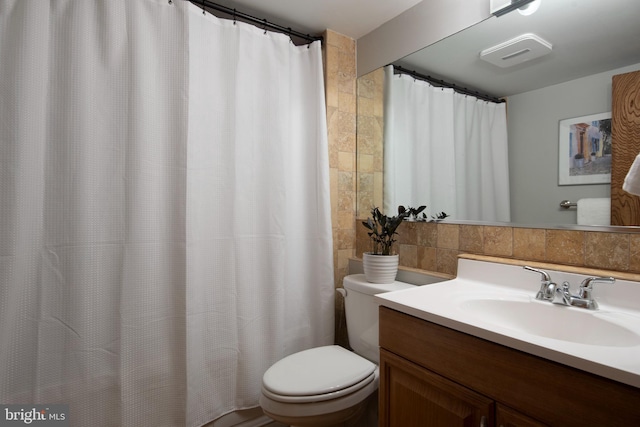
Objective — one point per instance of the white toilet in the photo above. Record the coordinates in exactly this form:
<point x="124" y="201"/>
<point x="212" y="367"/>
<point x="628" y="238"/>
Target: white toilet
<point x="329" y="385"/>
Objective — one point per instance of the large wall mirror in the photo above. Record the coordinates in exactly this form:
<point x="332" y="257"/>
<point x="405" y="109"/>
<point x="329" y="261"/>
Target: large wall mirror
<point x="591" y="40"/>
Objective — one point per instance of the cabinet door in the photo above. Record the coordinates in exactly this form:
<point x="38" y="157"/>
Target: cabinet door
<point x="413" y="396"/>
<point x="507" y="417"/>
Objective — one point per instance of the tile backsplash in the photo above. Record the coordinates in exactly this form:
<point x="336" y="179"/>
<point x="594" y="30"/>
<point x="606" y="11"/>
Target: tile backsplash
<point x="435" y="246"/>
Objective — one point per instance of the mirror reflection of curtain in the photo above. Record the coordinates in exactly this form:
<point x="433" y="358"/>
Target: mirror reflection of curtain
<point x="444" y="150"/>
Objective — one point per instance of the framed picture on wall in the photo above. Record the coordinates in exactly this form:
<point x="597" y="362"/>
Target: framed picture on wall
<point x="585" y="150"/>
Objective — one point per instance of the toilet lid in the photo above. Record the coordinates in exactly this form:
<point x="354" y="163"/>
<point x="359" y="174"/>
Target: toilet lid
<point x="317" y="371"/>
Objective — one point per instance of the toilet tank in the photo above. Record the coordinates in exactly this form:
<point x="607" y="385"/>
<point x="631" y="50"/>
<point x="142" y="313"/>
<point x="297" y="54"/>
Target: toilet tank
<point x="361" y="312"/>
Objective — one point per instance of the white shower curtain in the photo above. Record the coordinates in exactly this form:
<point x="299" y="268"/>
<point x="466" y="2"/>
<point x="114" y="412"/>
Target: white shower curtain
<point x="444" y="150"/>
<point x="165" y="225"/>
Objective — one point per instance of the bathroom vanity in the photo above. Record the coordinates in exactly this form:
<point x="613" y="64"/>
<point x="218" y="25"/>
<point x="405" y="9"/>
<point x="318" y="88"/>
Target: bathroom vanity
<point x="443" y="362"/>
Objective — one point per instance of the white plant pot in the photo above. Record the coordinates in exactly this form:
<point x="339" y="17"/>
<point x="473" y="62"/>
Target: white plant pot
<point x="380" y="268"/>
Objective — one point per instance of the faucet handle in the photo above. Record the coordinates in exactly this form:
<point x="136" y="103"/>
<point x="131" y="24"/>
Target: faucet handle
<point x="545" y="275"/>
<point x="547" y="287"/>
<point x="587" y="285"/>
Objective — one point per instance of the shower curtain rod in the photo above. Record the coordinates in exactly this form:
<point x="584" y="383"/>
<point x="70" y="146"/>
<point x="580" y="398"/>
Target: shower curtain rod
<point x="442" y="83"/>
<point x="262" y="23"/>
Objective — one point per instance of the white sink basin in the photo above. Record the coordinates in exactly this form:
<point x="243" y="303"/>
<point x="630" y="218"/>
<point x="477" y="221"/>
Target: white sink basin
<point x="557" y="322"/>
<point x="496" y="301"/>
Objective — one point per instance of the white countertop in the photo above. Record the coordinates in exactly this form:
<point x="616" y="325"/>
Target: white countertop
<point x="454" y="304"/>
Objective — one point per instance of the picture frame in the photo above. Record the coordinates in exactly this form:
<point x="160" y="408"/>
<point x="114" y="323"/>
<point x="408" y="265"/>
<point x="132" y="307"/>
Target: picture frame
<point x="584" y="150"/>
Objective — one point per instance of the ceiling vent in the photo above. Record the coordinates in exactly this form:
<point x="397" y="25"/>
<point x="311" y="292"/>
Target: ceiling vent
<point x="516" y="51"/>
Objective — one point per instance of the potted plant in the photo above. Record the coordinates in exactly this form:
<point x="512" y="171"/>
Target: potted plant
<point x="579" y="160"/>
<point x="414" y="212"/>
<point x="381" y="264"/>
<point x="439" y="217"/>
<point x="593" y="156"/>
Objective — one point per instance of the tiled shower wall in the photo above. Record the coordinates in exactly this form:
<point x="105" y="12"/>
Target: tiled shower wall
<point x="340" y="87"/>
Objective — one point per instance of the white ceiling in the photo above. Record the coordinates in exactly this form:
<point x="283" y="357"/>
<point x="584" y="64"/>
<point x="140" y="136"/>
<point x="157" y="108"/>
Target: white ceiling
<point x="588" y="37"/>
<point x="352" y="18"/>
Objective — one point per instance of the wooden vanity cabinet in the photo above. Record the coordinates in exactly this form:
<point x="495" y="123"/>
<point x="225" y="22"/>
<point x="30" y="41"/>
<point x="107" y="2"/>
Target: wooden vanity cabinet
<point x="435" y="376"/>
<point x="418" y="397"/>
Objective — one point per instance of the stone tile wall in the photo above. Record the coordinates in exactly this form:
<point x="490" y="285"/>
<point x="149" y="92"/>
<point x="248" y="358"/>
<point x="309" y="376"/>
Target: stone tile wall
<point x="435" y="246"/>
<point x="369" y="138"/>
<point x="340" y="88"/>
<point x="339" y="55"/>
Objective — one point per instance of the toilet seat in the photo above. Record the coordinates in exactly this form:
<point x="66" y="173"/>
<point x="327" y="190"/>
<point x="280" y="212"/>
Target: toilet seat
<point x="327" y="412"/>
<point x="317" y="374"/>
<point x="319" y="397"/>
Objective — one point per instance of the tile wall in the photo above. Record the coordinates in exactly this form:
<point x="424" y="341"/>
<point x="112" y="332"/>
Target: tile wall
<point x="340" y="87"/>
<point x="369" y="138"/>
<point x="435" y="246"/>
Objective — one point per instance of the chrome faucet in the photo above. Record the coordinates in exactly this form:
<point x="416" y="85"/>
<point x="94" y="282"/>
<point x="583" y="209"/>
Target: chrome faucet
<point x="562" y="295"/>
